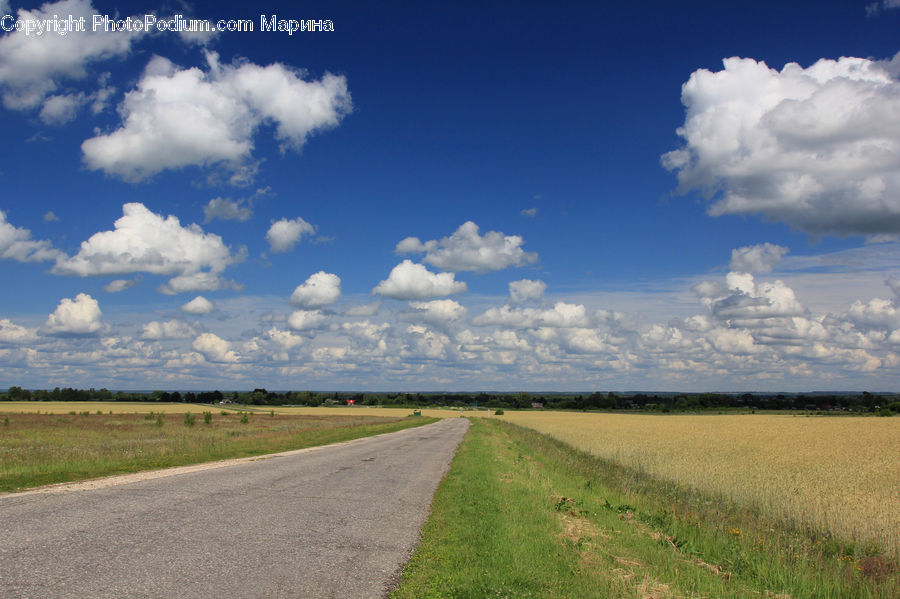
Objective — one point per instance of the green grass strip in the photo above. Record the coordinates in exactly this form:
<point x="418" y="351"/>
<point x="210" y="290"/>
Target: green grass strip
<point x="522" y="515"/>
<point x="54" y="450"/>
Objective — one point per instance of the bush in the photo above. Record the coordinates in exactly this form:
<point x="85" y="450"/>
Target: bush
<point x="499" y="412"/>
<point x="245" y="418"/>
<point x="159" y="420"/>
<point x="207" y="417"/>
<point x="189" y="419"/>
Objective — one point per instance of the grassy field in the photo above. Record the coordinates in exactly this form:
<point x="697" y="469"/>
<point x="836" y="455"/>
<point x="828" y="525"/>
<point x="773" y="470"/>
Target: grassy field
<point x="520" y="514"/>
<point x="838" y="475"/>
<point x="42" y="448"/>
<point x="64" y="407"/>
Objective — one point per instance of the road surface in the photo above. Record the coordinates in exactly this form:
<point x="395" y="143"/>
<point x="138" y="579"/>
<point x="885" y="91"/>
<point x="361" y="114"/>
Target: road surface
<point x="332" y="522"/>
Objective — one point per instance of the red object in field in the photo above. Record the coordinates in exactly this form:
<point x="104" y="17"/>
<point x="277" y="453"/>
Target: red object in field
<point x="350" y="402"/>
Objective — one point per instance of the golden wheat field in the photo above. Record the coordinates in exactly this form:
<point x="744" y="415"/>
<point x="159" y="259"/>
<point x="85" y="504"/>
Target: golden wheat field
<point x="841" y="473"/>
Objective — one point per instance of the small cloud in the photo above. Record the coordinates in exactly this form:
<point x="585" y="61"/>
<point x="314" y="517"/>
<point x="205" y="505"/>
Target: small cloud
<point x="411" y="281"/>
<point x="227" y="209"/>
<point x="198" y="305"/>
<point x="320" y="289"/>
<point x="214" y="348"/>
<point x="121" y="284"/>
<point x="760" y="258"/>
<point x="284" y="233"/>
<point x="303" y="320"/>
<point x="876" y="7"/>
<point x="466" y="249"/>
<point x="50" y="217"/>
<point x="529" y="212"/>
<point x="10" y="332"/>
<point x="171" y="329"/>
<point x="526" y="289"/>
<point x="61" y="109"/>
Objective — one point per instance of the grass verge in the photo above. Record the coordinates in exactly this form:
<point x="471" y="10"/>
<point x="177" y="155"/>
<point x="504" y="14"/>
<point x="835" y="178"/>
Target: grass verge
<point x="40" y="449"/>
<point x="520" y="514"/>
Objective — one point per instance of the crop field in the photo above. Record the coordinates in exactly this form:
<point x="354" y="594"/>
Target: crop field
<point x="840" y="475"/>
<point x="122" y="407"/>
<point x="55" y="446"/>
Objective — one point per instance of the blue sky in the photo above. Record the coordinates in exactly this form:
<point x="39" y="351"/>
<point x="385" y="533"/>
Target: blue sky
<point x="453" y="196"/>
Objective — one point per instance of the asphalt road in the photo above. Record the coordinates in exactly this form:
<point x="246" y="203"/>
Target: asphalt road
<point x="333" y="522"/>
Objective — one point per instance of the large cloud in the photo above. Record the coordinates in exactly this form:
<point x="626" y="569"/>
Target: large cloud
<point x="16" y="244"/>
<point x="284" y="234"/>
<point x="411" y="281"/>
<point x="816" y="148"/>
<point x="32" y="67"/>
<point x="320" y="289"/>
<point x="467" y="250"/>
<point x="80" y="316"/>
<point x="143" y="241"/>
<point x="180" y="117"/>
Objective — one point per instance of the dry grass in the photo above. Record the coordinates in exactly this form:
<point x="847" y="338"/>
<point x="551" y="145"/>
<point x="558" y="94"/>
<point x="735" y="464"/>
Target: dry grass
<point x="64" y="407"/>
<point x="837" y="474"/>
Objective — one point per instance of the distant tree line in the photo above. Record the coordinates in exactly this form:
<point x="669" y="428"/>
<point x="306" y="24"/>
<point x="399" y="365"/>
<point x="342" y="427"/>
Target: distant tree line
<point x="884" y="403"/>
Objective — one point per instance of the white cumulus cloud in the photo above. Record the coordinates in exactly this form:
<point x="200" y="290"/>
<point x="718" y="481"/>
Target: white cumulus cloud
<point x="143" y="241"/>
<point x="32" y="67"/>
<point x="320" y="289"/>
<point x="817" y="148"/>
<point x="10" y="332"/>
<point x="179" y="117"/>
<point x="438" y="311"/>
<point x="411" y="281"/>
<point x="16" y="244"/>
<point x="214" y="348"/>
<point x="526" y="289"/>
<point x="304" y="320"/>
<point x="198" y="305"/>
<point x="467" y="250"/>
<point x="60" y="109"/>
<point x="284" y="234"/>
<point x="79" y="316"/>
<point x="284" y="339"/>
